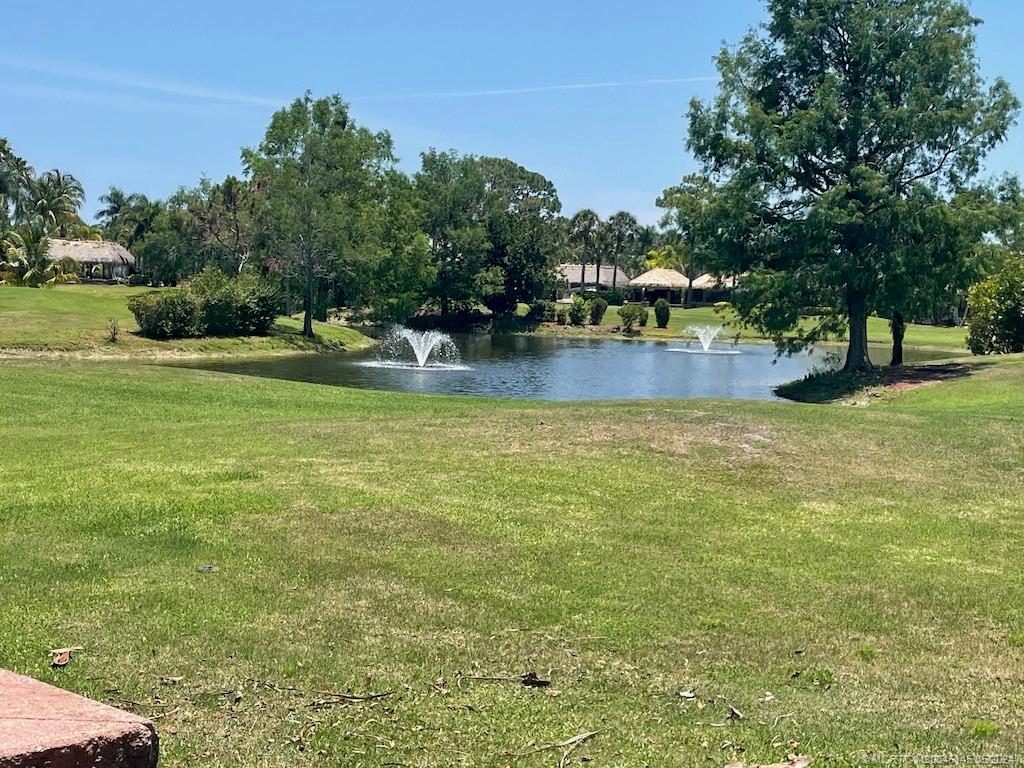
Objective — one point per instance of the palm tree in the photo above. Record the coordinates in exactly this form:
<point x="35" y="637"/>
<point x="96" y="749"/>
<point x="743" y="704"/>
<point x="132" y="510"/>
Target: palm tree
<point x="115" y="203"/>
<point x="56" y="198"/>
<point x="26" y="258"/>
<point x="584" y="228"/>
<point x="138" y="219"/>
<point x="15" y="183"/>
<point x="622" y="232"/>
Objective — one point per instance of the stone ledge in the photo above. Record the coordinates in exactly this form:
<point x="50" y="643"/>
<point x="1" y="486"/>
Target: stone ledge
<point x="46" y="727"/>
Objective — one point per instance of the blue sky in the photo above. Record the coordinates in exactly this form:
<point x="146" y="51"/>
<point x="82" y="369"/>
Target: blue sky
<point x="592" y="94"/>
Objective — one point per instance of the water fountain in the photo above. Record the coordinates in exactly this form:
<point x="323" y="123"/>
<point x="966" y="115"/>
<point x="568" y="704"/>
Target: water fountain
<point x="706" y="336"/>
<point x="430" y="349"/>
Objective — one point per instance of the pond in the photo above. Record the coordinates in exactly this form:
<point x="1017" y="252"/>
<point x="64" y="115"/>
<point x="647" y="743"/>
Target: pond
<point x="550" y="368"/>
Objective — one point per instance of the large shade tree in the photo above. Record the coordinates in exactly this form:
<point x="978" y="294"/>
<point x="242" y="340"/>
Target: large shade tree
<point x="452" y="200"/>
<point x="321" y="182"/>
<point x="690" y="226"/>
<point x="830" y="121"/>
<point x="493" y="230"/>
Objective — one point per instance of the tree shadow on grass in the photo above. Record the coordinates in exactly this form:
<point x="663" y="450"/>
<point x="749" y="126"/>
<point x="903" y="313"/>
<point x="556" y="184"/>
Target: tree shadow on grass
<point x="833" y="386"/>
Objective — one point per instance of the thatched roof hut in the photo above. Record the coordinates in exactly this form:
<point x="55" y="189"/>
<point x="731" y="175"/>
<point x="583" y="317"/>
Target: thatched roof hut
<point x="99" y="258"/>
<point x="660" y="278"/>
<point x="592" y="278"/>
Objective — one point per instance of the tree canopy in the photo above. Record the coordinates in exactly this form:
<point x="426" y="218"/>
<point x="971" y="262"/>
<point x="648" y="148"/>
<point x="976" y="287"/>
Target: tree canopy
<point x="838" y="127"/>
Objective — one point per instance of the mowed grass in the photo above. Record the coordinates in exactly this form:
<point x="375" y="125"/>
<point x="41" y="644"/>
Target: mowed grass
<point x="75" y="319"/>
<point x="847" y="578"/>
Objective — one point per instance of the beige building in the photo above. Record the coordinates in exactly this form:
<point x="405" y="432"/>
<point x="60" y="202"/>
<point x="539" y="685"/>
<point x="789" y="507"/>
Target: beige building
<point x="99" y="259"/>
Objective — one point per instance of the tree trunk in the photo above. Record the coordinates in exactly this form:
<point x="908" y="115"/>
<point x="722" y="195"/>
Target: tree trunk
<point x="615" y="269"/>
<point x="689" y="291"/>
<point x="597" y="273"/>
<point x="857" y="359"/>
<point x="307" y="319"/>
<point x="899" y="328"/>
<point x="583" y="274"/>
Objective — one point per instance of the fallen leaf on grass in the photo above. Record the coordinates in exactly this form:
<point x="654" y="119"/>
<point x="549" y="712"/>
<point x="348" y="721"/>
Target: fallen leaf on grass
<point x="61" y="656"/>
<point x="735" y="714"/>
<point x="689" y="695"/>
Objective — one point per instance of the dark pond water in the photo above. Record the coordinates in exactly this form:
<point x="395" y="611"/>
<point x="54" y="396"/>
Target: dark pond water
<point x="548" y="368"/>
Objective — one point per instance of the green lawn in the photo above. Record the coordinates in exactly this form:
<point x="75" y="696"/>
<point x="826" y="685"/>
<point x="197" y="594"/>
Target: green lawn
<point x="847" y="578"/>
<point x="75" y="318"/>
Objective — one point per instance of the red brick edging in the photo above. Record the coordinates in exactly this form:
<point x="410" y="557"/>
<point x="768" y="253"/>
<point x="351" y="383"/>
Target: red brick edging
<point x="46" y="727"/>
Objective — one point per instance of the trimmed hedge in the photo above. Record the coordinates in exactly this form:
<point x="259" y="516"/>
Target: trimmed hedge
<point x="661" y="313"/>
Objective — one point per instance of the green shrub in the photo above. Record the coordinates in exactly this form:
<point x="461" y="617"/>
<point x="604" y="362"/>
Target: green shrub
<point x="138" y="279"/>
<point x="541" y="312"/>
<point x="644" y="315"/>
<point x="630" y="316"/>
<point x="661" y="313"/>
<point x="210" y="304"/>
<point x="577" y="311"/>
<point x="996" y="316"/>
<point x="598" y="307"/>
<point x="258" y="304"/>
<point x="561" y="316"/>
<point x="615" y="298"/>
<point x="166" y="315"/>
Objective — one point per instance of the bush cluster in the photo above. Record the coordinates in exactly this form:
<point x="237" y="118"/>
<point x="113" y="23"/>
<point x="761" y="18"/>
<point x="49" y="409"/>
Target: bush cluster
<point x="996" y="318"/>
<point x="211" y="304"/>
<point x="598" y="307"/>
<point x="577" y="311"/>
<point x="631" y="315"/>
<point x="661" y="313"/>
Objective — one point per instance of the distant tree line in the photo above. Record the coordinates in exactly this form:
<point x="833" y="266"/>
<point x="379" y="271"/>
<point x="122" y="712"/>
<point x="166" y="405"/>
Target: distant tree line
<point x="322" y="211"/>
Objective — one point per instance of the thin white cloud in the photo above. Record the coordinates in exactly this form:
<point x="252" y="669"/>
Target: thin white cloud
<point x="539" y="88"/>
<point x="130" y="80"/>
<point x="105" y="98"/>
<point x="179" y="89"/>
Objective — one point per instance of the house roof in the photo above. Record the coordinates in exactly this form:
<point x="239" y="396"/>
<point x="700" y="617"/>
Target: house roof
<point x="89" y="251"/>
<point x="571" y="274"/>
<point x="660" y="278"/>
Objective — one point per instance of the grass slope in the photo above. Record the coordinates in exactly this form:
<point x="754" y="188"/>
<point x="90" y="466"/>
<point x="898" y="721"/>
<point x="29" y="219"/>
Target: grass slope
<point x="74" y="318"/>
<point x="861" y="565"/>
